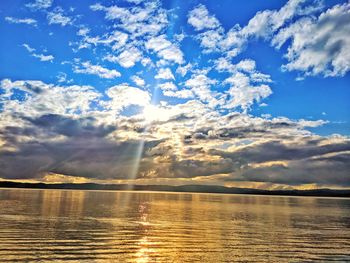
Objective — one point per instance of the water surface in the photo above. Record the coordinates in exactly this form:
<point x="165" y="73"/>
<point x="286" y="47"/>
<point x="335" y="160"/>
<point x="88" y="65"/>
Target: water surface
<point x="97" y="226"/>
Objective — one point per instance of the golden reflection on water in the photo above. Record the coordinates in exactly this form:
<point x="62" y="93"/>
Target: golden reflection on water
<point x="92" y="226"/>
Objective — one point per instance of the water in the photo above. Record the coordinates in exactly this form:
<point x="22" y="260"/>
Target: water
<point x="93" y="226"/>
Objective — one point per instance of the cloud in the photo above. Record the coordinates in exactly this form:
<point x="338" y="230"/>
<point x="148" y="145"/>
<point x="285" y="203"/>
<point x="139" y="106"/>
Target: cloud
<point x="57" y="17"/>
<point x="203" y="128"/>
<point x="200" y="19"/>
<point x="200" y="86"/>
<point x="138" y="81"/>
<point x="28" y="21"/>
<point x="40" y="4"/>
<point x="116" y="39"/>
<point x="164" y="73"/>
<point x="171" y="90"/>
<point x="326" y="53"/>
<point x="70" y="126"/>
<point x="127" y="58"/>
<point x="42" y="57"/>
<point x="181" y="94"/>
<point x="246" y="84"/>
<point x="167" y="86"/>
<point x="28" y="48"/>
<point x="242" y="93"/>
<point x="41" y="98"/>
<point x="323" y="54"/>
<point x="165" y="49"/>
<point x="88" y="68"/>
<point x="57" y="129"/>
<point x="124" y="95"/>
<point x="138" y="21"/>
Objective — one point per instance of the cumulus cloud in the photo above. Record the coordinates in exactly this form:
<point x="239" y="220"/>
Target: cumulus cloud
<point x="265" y="23"/>
<point x="124" y="95"/>
<point x="28" y="21"/>
<point x="323" y="54"/>
<point x="139" y="21"/>
<point x="327" y="51"/>
<point x="88" y="68"/>
<point x="138" y="81"/>
<point x="203" y="129"/>
<point x="165" y="49"/>
<point x="58" y="17"/>
<point x="57" y="130"/>
<point x="40" y="4"/>
<point x="42" y="57"/>
<point x="200" y="19"/>
<point x="167" y="86"/>
<point x="171" y="90"/>
<point x="200" y="86"/>
<point x="42" y="98"/>
<point x="128" y="58"/>
<point x="164" y="73"/>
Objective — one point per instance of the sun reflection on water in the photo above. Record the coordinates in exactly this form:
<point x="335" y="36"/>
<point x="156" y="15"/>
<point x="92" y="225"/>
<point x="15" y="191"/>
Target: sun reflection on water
<point x="92" y="226"/>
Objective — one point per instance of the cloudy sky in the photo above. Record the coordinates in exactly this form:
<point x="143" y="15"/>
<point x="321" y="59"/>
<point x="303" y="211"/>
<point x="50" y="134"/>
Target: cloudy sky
<point x="254" y="94"/>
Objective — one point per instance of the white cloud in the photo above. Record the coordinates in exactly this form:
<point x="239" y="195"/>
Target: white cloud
<point x="42" y="57"/>
<point x="242" y="93"/>
<point x="309" y="123"/>
<point x="40" y="4"/>
<point x="139" y="21"/>
<point x="57" y="17"/>
<point x="181" y="94"/>
<point x="165" y="49"/>
<point x="116" y="40"/>
<point x="169" y="89"/>
<point x="83" y="31"/>
<point x="167" y="86"/>
<point x="129" y="57"/>
<point x="182" y="70"/>
<point x="263" y="25"/>
<point x="210" y="39"/>
<point x="124" y="95"/>
<point x="320" y="46"/>
<point x="28" y="48"/>
<point x="88" y="68"/>
<point x="200" y="19"/>
<point x="164" y="73"/>
<point x="42" y="98"/>
<point x="200" y="86"/>
<point x="145" y="61"/>
<point x="14" y="20"/>
<point x="119" y="39"/>
<point x="245" y="96"/>
<point x="63" y="78"/>
<point x="138" y="81"/>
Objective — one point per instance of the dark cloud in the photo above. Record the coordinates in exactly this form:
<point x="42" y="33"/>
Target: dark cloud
<point x="278" y="150"/>
<point x="85" y="151"/>
<point x="71" y="127"/>
<point x="84" y="157"/>
<point x="323" y="171"/>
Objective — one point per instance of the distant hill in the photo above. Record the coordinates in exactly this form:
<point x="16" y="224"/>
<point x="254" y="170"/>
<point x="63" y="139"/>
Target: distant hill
<point x="182" y="188"/>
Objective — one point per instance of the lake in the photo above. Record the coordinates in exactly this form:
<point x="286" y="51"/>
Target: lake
<point x="102" y="226"/>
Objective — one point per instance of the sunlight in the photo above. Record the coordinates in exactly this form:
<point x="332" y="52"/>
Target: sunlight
<point x="150" y="113"/>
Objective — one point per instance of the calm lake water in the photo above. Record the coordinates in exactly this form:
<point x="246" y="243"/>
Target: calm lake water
<point x="96" y="226"/>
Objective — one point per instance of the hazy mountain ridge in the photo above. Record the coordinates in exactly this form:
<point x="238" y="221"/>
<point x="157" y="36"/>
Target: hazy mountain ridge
<point x="181" y="188"/>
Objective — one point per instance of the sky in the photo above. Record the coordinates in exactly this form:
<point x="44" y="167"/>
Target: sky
<point x="250" y="94"/>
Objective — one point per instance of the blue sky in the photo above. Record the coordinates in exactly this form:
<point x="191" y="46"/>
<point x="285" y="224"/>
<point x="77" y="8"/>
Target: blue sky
<point x="264" y="61"/>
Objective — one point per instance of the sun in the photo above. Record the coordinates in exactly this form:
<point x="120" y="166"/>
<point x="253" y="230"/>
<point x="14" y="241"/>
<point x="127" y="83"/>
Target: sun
<point x="149" y="113"/>
<point x="155" y="113"/>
